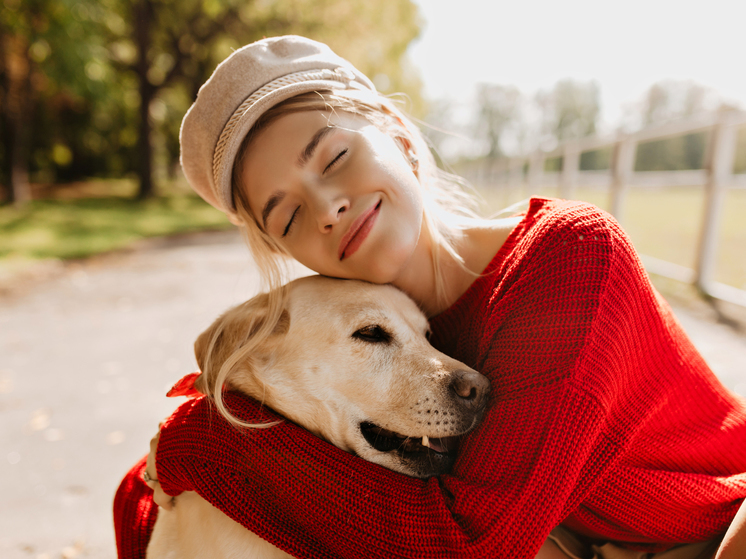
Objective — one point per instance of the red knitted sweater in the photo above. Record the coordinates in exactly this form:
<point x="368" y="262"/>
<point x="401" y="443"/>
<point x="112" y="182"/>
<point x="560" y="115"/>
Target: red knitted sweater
<point x="603" y="416"/>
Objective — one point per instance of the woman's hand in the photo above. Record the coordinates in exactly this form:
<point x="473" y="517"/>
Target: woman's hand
<point x="151" y="477"/>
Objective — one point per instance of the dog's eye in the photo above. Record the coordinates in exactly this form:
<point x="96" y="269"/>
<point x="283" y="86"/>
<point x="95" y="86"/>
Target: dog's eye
<point x="373" y="334"/>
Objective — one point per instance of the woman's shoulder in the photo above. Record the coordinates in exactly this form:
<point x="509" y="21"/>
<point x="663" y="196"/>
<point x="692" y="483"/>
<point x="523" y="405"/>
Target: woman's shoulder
<point x="566" y="244"/>
<point x="560" y="218"/>
<point x="568" y="232"/>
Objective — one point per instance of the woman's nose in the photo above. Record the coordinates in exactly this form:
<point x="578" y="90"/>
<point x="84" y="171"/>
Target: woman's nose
<point x="329" y="210"/>
<point x="328" y="219"/>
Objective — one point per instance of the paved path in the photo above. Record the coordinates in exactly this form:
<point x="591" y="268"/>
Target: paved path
<point x="87" y="356"/>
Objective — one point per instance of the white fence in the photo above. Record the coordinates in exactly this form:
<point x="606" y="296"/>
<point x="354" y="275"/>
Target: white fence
<point x="717" y="177"/>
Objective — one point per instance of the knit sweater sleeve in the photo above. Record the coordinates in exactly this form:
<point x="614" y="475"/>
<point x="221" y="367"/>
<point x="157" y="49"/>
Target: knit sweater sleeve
<point x="543" y="445"/>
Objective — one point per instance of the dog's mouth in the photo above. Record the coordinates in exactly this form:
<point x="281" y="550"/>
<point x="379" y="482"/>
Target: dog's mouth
<point x="384" y="440"/>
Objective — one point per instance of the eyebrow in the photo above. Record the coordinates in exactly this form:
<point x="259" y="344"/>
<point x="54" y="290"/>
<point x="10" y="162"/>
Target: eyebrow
<point x="305" y="155"/>
<point x="313" y="144"/>
<point x="275" y="199"/>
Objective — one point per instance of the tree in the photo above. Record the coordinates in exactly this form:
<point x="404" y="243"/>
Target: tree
<point x="498" y="109"/>
<point x="99" y="87"/>
<point x="177" y="44"/>
<point x="48" y="48"/>
<point x="570" y="110"/>
<point x="671" y="100"/>
<point x="17" y="104"/>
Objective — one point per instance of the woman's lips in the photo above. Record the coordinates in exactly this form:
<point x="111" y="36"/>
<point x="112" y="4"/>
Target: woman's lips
<point x="357" y="232"/>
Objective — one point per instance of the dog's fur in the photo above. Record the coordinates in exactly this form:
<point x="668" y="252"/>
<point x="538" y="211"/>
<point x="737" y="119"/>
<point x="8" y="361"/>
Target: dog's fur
<point x="350" y="362"/>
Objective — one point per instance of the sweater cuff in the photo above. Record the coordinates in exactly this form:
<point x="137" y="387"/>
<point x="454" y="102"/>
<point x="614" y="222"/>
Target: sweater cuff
<point x="196" y="434"/>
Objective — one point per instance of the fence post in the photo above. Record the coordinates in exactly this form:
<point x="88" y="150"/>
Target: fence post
<point x="570" y="168"/>
<point x="515" y="172"/>
<point x="623" y="166"/>
<point x="721" y="159"/>
<point x="499" y="170"/>
<point x="535" y="172"/>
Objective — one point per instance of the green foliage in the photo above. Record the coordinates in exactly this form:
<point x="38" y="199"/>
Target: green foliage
<point x="83" y="56"/>
<point x="374" y="36"/>
<point x="666" y="101"/>
<point x="673" y="154"/>
<point x="553" y="164"/>
<point x="191" y="37"/>
<point x="78" y="108"/>
<point x="596" y="160"/>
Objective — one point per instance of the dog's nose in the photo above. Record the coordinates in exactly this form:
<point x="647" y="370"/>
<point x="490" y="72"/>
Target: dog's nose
<point x="470" y="388"/>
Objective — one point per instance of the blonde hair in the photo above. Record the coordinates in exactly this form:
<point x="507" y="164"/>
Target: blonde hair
<point x="447" y="207"/>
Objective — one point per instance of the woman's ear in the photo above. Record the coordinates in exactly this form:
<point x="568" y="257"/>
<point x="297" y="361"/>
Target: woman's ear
<point x="397" y="129"/>
<point x="235" y="219"/>
<point x="404" y="143"/>
<point x="407" y="148"/>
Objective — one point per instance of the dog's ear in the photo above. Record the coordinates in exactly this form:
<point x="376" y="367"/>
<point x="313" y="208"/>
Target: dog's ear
<point x="230" y="332"/>
<point x="202" y="348"/>
<point x="283" y="324"/>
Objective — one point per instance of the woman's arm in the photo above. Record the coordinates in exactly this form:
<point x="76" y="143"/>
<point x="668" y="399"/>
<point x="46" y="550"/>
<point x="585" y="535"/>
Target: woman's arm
<point x="734" y="541"/>
<point x="314" y="500"/>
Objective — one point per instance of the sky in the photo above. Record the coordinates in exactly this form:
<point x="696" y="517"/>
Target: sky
<point x="624" y="46"/>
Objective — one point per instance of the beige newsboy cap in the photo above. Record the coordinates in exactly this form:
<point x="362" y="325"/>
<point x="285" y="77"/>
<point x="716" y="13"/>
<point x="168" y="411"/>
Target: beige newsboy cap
<point x="246" y="84"/>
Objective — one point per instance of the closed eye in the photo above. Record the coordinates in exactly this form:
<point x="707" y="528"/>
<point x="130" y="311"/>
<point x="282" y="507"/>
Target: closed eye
<point x="372" y="334"/>
<point x="336" y="160"/>
<point x="290" y="223"/>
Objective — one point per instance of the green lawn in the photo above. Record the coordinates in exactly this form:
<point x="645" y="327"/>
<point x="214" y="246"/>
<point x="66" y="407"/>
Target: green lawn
<point x="665" y="223"/>
<point x="80" y="227"/>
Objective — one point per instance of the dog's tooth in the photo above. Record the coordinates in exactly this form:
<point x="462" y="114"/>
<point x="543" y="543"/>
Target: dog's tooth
<point x="425" y="440"/>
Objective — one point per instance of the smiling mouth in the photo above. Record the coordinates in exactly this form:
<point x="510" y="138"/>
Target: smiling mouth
<point x="358" y="232"/>
<point x="384" y="440"/>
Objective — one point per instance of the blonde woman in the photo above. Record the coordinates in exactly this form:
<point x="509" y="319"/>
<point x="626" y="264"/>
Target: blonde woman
<point x="603" y="417"/>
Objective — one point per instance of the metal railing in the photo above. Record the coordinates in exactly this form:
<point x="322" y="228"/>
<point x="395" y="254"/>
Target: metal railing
<point x="716" y="177"/>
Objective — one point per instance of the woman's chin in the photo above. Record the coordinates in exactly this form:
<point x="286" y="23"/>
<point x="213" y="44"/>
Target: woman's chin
<point x="390" y="269"/>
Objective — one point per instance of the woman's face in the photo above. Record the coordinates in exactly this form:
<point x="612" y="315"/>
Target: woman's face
<point x="337" y="193"/>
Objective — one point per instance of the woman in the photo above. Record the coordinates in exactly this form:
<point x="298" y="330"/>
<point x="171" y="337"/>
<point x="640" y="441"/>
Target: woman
<point x="603" y="416"/>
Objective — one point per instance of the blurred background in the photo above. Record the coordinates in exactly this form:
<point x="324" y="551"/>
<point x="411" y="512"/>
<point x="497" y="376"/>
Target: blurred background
<point x="110" y="266"/>
<point x="92" y="94"/>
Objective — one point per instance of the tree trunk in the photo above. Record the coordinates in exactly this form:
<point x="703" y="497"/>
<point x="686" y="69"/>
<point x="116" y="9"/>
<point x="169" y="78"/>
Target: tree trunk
<point x="18" y="106"/>
<point x="143" y="12"/>
<point x="6" y="192"/>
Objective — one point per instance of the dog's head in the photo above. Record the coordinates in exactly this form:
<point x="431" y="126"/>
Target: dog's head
<point x="349" y="361"/>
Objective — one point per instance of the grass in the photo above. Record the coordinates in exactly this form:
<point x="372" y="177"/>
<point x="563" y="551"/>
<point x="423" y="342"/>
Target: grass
<point x="665" y="223"/>
<point x="70" y="226"/>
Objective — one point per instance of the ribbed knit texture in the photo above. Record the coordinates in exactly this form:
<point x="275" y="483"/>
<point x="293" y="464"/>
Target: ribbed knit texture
<point x="134" y="514"/>
<point x="602" y="416"/>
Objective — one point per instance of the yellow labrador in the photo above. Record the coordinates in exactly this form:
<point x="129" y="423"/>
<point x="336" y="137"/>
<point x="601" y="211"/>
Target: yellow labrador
<point x="350" y="362"/>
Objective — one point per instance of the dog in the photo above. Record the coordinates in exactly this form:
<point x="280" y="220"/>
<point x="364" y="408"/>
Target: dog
<point x="347" y="360"/>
